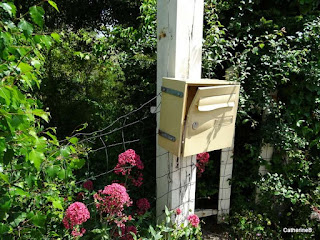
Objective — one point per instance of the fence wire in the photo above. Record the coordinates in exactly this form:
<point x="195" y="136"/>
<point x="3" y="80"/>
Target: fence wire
<point x="123" y="125"/>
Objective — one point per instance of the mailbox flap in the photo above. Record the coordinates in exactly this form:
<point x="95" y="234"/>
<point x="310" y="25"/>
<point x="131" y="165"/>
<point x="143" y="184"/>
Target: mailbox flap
<point x="173" y="102"/>
<point x="216" y="102"/>
<point x="211" y="119"/>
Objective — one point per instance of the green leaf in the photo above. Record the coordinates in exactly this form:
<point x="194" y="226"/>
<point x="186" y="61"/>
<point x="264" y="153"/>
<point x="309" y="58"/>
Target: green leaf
<point x="57" y="204"/>
<point x="52" y="171"/>
<point x="40" y="113"/>
<point x="36" y="158"/>
<point x="62" y="174"/>
<point x="5" y="178"/>
<point x="53" y="137"/>
<point x="5" y="94"/>
<point x="65" y="151"/>
<point x="55" y="36"/>
<point x="36" y="14"/>
<point x="24" y="67"/>
<point x="44" y="39"/>
<point x="77" y="163"/>
<point x="9" y="8"/>
<point x="53" y="4"/>
<point x="167" y="211"/>
<point x="20" y="192"/>
<point x="37" y="219"/>
<point x="73" y="140"/>
<point x="4" y="228"/>
<point x="36" y="63"/>
<point x="18" y="218"/>
<point x="26" y="27"/>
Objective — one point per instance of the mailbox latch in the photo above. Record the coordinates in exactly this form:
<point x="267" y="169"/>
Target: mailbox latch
<point x="172" y="91"/>
<point x="167" y="136"/>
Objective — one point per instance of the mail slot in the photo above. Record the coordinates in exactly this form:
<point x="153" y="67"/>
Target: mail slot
<point x="197" y="115"/>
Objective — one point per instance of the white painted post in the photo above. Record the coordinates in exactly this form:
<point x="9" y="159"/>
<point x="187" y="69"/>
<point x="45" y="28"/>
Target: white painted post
<point x="266" y="154"/>
<point x="226" y="164"/>
<point x="179" y="32"/>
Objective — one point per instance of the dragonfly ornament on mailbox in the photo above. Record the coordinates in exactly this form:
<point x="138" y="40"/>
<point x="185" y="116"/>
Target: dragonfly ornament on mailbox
<point x="197" y="116"/>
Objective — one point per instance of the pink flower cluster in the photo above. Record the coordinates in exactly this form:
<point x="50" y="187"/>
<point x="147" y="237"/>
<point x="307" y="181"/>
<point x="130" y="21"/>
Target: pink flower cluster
<point x="143" y="206"/>
<point x="125" y="232"/>
<point x="76" y="214"/>
<point x="137" y="180"/>
<point x="88" y="185"/>
<point x="129" y="163"/>
<point x="202" y="161"/>
<point x="112" y="199"/>
<point x="194" y="220"/>
<point x="126" y="161"/>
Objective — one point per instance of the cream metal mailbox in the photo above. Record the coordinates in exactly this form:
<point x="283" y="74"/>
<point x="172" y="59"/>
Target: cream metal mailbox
<point x="197" y="116"/>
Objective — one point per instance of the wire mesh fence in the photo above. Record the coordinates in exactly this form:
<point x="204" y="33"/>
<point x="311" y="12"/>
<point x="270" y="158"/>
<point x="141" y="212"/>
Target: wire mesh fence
<point x="137" y="130"/>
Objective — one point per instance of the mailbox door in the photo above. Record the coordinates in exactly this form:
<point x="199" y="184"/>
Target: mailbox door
<point x="211" y="119"/>
<point x="172" y="116"/>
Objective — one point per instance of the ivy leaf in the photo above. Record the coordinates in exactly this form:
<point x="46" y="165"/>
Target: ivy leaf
<point x="36" y="158"/>
<point x="36" y="14"/>
<point x="37" y="219"/>
<point x="9" y="8"/>
<point x="26" y="27"/>
<point x="57" y="204"/>
<point x="53" y="4"/>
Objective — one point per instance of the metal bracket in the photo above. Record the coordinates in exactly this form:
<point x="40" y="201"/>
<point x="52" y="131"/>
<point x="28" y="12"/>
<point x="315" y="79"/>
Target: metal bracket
<point x="167" y="136"/>
<point x="172" y="91"/>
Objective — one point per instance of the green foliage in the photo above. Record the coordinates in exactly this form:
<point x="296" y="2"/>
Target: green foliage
<point x="253" y="225"/>
<point x="275" y="56"/>
<point x="36" y="171"/>
<point x="170" y="230"/>
<point x="83" y="82"/>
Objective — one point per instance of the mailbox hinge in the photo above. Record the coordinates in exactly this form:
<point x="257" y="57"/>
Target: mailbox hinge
<point x="172" y="91"/>
<point x="167" y="136"/>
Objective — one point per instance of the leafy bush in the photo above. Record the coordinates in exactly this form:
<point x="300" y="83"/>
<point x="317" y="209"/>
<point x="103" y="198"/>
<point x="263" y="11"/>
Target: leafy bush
<point x="34" y="166"/>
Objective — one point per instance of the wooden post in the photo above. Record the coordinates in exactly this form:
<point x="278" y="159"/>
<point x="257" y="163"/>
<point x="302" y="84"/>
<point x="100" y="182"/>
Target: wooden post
<point x="266" y="154"/>
<point x="179" y="32"/>
<point x="226" y="164"/>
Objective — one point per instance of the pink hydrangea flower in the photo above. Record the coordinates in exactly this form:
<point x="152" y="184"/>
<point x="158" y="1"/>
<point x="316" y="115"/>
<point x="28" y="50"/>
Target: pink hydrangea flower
<point x="76" y="214"/>
<point x="88" y="185"/>
<point x="126" y="161"/>
<point x="202" y="161"/>
<point x="125" y="232"/>
<point x="178" y="211"/>
<point x="143" y="206"/>
<point x="112" y="199"/>
<point x="194" y="220"/>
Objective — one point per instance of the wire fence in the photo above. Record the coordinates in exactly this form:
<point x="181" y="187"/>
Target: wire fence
<point x="145" y="123"/>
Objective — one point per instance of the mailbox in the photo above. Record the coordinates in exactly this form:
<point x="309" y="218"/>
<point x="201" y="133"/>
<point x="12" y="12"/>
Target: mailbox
<point x="197" y="116"/>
